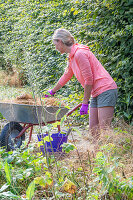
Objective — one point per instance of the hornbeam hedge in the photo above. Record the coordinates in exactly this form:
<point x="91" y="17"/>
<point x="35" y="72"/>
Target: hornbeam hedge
<point x="27" y="26"/>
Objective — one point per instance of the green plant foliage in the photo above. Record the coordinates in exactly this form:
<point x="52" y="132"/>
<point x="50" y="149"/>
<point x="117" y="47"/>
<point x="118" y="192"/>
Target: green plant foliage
<point x="28" y="174"/>
<point x="110" y="32"/>
<point x="110" y="183"/>
<point x="67" y="147"/>
<point x="8" y="174"/>
<point x="1" y="116"/>
<point x="105" y="26"/>
<point x="30" y="190"/>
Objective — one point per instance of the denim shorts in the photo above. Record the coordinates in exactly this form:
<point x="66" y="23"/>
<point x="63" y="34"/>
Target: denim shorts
<point x="107" y="98"/>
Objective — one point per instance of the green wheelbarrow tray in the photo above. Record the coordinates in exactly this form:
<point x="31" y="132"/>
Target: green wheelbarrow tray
<point x="32" y="114"/>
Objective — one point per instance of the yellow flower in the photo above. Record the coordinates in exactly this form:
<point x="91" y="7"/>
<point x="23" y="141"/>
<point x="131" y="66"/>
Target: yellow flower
<point x="64" y="13"/>
<point x="72" y="9"/>
<point x="75" y="12"/>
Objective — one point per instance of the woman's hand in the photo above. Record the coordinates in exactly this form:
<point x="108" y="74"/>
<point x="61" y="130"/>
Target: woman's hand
<point x="50" y="92"/>
<point x="85" y="104"/>
<point x="84" y="109"/>
<point x="53" y="91"/>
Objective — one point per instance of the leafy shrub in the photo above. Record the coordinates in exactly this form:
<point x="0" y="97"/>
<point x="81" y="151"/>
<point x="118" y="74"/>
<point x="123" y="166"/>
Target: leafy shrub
<point x="105" y="26"/>
<point x="110" y="31"/>
<point x="1" y="116"/>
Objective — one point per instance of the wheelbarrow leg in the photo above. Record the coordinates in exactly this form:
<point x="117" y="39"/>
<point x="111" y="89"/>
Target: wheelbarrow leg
<point x="58" y="126"/>
<point x="23" y="131"/>
<point x="31" y="129"/>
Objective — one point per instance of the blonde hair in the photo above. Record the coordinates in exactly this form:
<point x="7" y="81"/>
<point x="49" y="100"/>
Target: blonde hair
<point x="65" y="36"/>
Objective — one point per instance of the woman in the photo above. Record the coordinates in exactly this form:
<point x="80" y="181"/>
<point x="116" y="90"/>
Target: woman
<point x="95" y="80"/>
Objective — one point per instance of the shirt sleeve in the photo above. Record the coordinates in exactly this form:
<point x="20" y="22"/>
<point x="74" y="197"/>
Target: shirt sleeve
<point x="83" y="63"/>
<point x="66" y="76"/>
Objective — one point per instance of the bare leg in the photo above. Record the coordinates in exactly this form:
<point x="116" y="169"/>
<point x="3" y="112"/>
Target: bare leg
<point x="105" y="115"/>
<point x="93" y="122"/>
<point x="100" y="119"/>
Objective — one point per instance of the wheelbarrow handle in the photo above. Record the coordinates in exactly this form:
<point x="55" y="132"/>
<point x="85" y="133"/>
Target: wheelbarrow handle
<point x="71" y="111"/>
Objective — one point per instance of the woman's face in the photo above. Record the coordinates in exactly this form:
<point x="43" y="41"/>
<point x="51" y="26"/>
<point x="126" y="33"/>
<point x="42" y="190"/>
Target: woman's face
<point x="59" y="46"/>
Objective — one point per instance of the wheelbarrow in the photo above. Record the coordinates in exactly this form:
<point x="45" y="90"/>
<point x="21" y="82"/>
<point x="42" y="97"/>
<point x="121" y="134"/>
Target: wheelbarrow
<point x="13" y="133"/>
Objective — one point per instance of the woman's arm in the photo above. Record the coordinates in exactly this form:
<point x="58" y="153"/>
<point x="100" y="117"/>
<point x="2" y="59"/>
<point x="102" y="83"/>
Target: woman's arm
<point x="56" y="87"/>
<point x="85" y="104"/>
<point x="87" y="93"/>
<point x="66" y="76"/>
<point x="64" y="79"/>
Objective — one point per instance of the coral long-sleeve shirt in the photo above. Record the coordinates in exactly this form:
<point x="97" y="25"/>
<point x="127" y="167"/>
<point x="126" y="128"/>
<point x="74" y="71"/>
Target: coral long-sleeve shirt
<point x="88" y="70"/>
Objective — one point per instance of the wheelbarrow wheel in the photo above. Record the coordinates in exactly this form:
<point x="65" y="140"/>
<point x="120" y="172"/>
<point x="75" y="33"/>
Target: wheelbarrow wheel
<point x="8" y="134"/>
